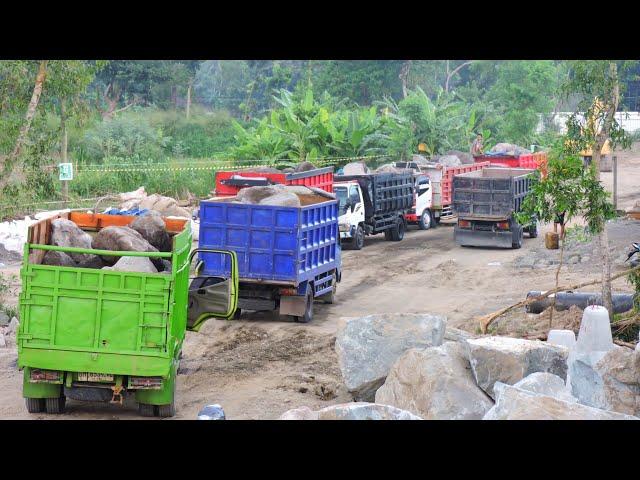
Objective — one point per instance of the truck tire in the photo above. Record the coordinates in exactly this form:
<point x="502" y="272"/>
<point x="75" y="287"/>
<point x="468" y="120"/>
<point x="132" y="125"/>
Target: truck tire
<point x="34" y="405"/>
<point x="169" y="410"/>
<point x="397" y="233"/>
<point x="308" y="313"/>
<point x="358" y="240"/>
<point x="55" y="405"/>
<point x="426" y="220"/>
<point x="146" y="409"/>
<point x="330" y="297"/>
<point x="237" y="314"/>
<point x="518" y="242"/>
<point x="533" y="230"/>
<point x="387" y="234"/>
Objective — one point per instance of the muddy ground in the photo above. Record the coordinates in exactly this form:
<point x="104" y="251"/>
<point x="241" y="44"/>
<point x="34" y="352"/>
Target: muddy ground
<point x="258" y="367"/>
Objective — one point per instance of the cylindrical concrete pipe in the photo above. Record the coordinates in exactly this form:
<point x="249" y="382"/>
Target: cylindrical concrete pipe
<point x="622" y="302"/>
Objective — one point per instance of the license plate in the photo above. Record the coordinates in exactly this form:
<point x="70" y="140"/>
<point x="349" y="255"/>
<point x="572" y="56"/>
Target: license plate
<point x="95" y="377"/>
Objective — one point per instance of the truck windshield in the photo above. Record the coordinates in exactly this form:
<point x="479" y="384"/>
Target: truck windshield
<point x="341" y="194"/>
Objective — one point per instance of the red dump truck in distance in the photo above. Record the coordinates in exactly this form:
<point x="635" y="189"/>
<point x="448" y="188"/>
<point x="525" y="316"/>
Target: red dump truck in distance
<point x="432" y="195"/>
<point x="535" y="161"/>
<point x="229" y="183"/>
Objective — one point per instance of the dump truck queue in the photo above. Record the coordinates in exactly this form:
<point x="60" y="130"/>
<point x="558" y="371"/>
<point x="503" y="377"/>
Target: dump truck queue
<point x="106" y="298"/>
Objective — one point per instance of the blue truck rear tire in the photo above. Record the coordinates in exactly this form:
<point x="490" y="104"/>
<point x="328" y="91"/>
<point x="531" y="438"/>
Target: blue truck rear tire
<point x="308" y="313"/>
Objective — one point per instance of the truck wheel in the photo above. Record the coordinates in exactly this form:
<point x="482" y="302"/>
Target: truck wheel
<point x="330" y="297"/>
<point x="388" y="234"/>
<point x="426" y="220"/>
<point x="166" y="411"/>
<point x="533" y="230"/>
<point x="308" y="313"/>
<point x="55" y="405"/>
<point x="146" y="409"/>
<point x="34" y="405"/>
<point x="518" y="242"/>
<point x="358" y="240"/>
<point x="397" y="233"/>
<point x="237" y="314"/>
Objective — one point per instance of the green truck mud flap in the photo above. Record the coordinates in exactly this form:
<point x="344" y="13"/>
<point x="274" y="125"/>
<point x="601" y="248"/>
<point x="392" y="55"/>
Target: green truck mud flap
<point x="40" y="389"/>
<point x="163" y="396"/>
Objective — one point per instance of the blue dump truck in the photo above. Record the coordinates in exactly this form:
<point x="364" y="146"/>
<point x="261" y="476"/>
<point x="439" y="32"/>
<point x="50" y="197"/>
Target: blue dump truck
<point x="287" y="256"/>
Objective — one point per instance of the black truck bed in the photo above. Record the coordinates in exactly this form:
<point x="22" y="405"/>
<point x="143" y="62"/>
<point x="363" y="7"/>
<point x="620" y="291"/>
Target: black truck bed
<point x="490" y="193"/>
<point x="383" y="192"/>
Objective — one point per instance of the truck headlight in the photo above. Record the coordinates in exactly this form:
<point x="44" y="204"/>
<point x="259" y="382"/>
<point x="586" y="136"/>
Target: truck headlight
<point x="344" y="227"/>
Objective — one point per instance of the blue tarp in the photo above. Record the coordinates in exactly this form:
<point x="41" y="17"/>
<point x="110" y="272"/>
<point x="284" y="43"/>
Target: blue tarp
<point x="133" y="211"/>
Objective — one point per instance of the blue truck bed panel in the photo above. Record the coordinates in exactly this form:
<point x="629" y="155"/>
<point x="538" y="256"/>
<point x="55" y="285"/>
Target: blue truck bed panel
<point x="285" y="244"/>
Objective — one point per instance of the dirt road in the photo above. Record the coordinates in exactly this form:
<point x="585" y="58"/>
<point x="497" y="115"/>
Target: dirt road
<point x="258" y="367"/>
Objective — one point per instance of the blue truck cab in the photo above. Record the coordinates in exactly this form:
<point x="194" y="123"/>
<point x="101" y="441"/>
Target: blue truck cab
<point x="287" y="256"/>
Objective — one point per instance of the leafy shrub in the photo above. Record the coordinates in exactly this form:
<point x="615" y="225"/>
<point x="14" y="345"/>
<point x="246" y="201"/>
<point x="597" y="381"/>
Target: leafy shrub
<point x="127" y="135"/>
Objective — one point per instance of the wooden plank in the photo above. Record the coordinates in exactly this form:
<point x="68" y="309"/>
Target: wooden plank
<point x="96" y="221"/>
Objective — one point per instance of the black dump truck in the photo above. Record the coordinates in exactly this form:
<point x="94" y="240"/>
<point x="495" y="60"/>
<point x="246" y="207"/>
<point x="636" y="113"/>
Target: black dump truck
<point x="486" y="202"/>
<point x="373" y="203"/>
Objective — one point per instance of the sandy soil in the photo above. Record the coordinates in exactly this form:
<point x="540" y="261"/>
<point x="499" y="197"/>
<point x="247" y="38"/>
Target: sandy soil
<point x="259" y="367"/>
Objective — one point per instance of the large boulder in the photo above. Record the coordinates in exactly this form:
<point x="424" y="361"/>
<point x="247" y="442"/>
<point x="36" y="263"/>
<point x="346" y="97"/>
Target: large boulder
<point x="305" y="167"/>
<point x="513" y="403"/>
<point x="607" y="380"/>
<point x="508" y="360"/>
<point x="355" y="168"/>
<point x="269" y="195"/>
<point x="509" y="149"/>
<point x="449" y="160"/>
<point x="153" y="230"/>
<point x="367" y="347"/>
<point x="465" y="157"/>
<point x="133" y="264"/>
<point x="548" y="384"/>
<point x="435" y="383"/>
<point x="65" y="233"/>
<point x="350" y="411"/>
<point x="121" y="239"/>
<point x="165" y="206"/>
<point x="59" y="259"/>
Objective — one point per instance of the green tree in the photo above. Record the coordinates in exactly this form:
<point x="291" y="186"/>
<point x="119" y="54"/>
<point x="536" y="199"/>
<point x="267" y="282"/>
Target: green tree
<point x="441" y="124"/>
<point x="362" y="81"/>
<point x="523" y="90"/>
<point x="597" y="85"/>
<point x="570" y="189"/>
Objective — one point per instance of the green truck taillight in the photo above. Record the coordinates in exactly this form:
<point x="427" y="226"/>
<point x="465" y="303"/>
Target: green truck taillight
<point x="37" y="375"/>
<point x="145" y="383"/>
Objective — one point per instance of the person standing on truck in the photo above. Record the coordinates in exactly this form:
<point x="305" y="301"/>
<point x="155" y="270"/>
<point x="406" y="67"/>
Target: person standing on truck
<point x="476" y="146"/>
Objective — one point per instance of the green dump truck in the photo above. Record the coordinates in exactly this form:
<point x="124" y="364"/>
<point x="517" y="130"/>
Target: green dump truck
<point x="101" y="334"/>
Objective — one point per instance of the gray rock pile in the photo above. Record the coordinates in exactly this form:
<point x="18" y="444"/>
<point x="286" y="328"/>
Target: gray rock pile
<point x="509" y="149"/>
<point x="367" y="347"/>
<point x="402" y="360"/>
<point x="350" y="411"/>
<point x="355" y="168"/>
<point x="514" y="403"/>
<point x="165" y="206"/>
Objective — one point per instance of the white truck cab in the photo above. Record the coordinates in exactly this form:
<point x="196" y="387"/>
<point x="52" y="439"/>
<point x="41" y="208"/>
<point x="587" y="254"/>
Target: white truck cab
<point x="422" y="211"/>
<point x="351" y="212"/>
